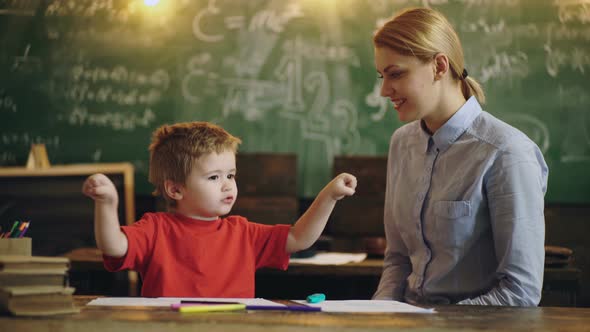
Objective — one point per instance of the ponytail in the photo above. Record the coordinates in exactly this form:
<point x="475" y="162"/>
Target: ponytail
<point x="470" y="87"/>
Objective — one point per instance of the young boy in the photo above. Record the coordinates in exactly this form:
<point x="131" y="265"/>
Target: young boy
<point x="191" y="251"/>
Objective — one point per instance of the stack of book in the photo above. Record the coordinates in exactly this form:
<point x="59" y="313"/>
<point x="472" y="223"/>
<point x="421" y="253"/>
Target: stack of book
<point x="35" y="285"/>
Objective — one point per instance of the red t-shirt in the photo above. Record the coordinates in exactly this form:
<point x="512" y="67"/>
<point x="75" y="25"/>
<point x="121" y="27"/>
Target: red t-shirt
<point x="178" y="256"/>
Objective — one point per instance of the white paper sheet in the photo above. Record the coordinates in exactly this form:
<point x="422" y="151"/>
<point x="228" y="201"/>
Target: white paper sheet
<point x="255" y="301"/>
<point x="331" y="258"/>
<point x="367" y="306"/>
<point x="132" y="301"/>
<point x="167" y="301"/>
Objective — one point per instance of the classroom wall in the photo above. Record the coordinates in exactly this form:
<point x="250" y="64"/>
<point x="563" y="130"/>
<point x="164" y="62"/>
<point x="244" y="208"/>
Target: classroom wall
<point x="92" y="78"/>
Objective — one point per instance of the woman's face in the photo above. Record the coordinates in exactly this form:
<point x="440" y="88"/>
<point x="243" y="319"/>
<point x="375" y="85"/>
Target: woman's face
<point x="408" y="82"/>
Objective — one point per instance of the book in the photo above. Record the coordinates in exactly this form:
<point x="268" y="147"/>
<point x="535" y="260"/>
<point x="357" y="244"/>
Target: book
<point x="18" y="278"/>
<point x="34" y="264"/>
<point x="37" y="300"/>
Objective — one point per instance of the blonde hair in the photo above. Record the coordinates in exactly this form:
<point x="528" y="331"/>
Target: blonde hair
<point x="174" y="149"/>
<point x="424" y="33"/>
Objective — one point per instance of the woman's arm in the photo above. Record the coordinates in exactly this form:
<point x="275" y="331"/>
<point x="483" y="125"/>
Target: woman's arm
<point x="396" y="267"/>
<point x="396" y="263"/>
<point x="516" y="187"/>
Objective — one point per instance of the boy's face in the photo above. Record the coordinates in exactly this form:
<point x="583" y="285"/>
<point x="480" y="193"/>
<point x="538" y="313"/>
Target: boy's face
<point x="210" y="189"/>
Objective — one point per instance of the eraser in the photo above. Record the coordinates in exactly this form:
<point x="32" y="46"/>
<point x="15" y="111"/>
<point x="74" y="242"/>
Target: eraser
<point x="316" y="298"/>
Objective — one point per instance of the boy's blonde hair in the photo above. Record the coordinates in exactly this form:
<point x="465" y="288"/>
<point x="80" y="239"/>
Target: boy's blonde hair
<point x="424" y="33"/>
<point x="174" y="149"/>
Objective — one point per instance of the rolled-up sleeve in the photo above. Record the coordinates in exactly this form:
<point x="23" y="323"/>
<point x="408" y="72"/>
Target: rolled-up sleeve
<point x="396" y="267"/>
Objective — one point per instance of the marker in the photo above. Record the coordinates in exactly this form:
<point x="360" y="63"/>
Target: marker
<point x="316" y="298"/>
<point x="12" y="229"/>
<point x="19" y="229"/>
<point x="204" y="302"/>
<point x="285" y="308"/>
<point x="210" y="308"/>
<point x="22" y="233"/>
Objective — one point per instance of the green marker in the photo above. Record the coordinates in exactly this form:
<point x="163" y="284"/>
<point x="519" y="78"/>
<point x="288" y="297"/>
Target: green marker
<point x="316" y="298"/>
<point x="12" y="229"/>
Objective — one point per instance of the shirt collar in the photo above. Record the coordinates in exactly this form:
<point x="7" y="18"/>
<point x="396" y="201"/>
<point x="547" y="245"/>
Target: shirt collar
<point x="454" y="127"/>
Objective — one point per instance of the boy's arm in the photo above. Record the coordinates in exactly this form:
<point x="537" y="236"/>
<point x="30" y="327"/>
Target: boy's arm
<point x="310" y="226"/>
<point x="109" y="237"/>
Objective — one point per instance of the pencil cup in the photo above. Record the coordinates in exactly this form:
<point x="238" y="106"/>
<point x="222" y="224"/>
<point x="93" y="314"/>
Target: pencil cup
<point x="16" y="246"/>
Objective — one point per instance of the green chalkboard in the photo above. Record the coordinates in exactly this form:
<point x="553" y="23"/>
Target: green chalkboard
<point x="92" y="79"/>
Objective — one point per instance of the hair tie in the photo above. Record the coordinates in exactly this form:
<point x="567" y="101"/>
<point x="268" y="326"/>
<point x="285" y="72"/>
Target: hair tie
<point x="464" y="75"/>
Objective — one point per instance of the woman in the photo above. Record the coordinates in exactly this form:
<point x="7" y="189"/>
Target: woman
<point x="464" y="200"/>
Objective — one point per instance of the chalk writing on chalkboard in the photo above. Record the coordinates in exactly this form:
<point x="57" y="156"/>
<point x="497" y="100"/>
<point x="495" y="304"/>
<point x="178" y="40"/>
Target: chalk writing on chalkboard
<point x="293" y="76"/>
<point x="114" y="97"/>
<point x="273" y="20"/>
<point x="7" y="103"/>
<point x="26" y="139"/>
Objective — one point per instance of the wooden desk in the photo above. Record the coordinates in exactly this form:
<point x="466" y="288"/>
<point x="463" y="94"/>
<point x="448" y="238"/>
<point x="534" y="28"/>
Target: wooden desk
<point x="448" y="318"/>
<point x="360" y="280"/>
<point x="343" y="282"/>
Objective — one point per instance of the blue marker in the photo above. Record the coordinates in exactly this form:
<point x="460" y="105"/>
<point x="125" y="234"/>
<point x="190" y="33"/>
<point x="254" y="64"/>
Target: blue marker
<point x="316" y="298"/>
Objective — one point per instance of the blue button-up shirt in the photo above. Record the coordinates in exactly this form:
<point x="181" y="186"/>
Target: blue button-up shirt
<point x="464" y="213"/>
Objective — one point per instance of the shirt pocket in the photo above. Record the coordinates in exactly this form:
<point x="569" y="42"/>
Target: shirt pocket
<point x="453" y="222"/>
